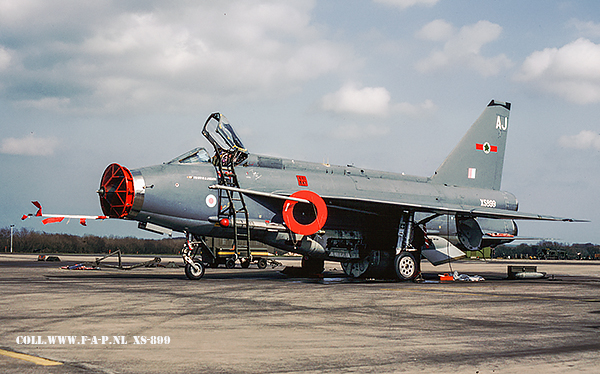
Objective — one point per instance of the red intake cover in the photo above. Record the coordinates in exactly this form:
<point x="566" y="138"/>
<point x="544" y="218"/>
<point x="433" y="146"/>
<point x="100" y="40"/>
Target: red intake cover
<point x="116" y="191"/>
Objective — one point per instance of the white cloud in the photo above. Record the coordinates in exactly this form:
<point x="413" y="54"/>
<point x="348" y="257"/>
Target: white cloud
<point x="371" y="101"/>
<point x="353" y="100"/>
<point x="403" y="4"/>
<point x="5" y="58"/>
<point x="419" y="110"/>
<point x="438" y="30"/>
<point x="462" y="48"/>
<point x="572" y="71"/>
<point x="46" y="103"/>
<point x="584" y="140"/>
<point x="140" y="56"/>
<point x="29" y="146"/>
<point x="589" y="28"/>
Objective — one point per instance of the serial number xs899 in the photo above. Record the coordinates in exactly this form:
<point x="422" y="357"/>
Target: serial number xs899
<point x="488" y="203"/>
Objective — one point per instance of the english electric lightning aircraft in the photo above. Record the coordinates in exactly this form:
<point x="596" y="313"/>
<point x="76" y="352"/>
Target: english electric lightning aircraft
<point x="375" y="223"/>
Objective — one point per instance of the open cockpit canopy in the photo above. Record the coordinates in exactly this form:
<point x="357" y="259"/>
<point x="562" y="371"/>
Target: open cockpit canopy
<point x="219" y="132"/>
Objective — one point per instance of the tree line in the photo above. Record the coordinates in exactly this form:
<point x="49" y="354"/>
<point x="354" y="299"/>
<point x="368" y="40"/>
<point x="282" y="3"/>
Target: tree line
<point x="549" y="250"/>
<point x="31" y="241"/>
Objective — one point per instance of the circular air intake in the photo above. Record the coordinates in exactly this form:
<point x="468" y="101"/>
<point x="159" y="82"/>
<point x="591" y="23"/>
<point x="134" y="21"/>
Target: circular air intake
<point x="116" y="191"/>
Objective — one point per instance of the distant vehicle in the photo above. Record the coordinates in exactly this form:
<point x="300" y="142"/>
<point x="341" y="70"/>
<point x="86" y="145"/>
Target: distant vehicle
<point x="228" y="257"/>
<point x="552" y="254"/>
<point x="48" y="258"/>
<point x="375" y="223"/>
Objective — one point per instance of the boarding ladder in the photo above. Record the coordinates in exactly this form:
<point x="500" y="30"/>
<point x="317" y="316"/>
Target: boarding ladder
<point x="229" y="152"/>
<point x="233" y="207"/>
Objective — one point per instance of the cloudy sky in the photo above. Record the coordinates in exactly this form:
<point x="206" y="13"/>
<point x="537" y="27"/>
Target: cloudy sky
<point x="383" y="84"/>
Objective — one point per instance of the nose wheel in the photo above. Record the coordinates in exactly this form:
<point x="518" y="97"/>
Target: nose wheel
<point x="195" y="270"/>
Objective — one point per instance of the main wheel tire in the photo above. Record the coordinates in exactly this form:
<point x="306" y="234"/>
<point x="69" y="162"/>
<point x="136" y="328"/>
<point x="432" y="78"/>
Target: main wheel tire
<point x="262" y="263"/>
<point x="407" y="268"/>
<point x="245" y="264"/>
<point x="230" y="263"/>
<point x="194" y="273"/>
<point x="356" y="269"/>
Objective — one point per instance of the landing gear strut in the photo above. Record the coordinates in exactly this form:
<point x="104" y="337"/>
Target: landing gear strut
<point x="407" y="262"/>
<point x="194" y="268"/>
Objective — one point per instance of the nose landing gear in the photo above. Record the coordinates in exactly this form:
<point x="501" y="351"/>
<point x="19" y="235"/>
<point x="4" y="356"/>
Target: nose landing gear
<point x="194" y="267"/>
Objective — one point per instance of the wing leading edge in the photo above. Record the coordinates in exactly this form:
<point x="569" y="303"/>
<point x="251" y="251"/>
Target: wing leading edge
<point x="373" y="206"/>
<point x="351" y="202"/>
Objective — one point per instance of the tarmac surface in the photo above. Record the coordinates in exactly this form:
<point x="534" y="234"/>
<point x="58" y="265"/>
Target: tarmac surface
<point x="261" y="321"/>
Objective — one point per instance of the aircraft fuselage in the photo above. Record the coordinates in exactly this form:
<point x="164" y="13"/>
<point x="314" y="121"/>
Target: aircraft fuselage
<point x="177" y="196"/>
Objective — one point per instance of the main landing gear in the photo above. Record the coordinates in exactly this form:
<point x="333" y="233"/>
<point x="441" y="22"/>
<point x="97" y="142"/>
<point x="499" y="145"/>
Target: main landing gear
<point x="407" y="262"/>
<point x="403" y="262"/>
<point x="404" y="266"/>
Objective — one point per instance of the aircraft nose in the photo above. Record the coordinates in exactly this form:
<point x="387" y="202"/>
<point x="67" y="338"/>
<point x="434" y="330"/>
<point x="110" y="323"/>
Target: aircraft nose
<point x="116" y="191"/>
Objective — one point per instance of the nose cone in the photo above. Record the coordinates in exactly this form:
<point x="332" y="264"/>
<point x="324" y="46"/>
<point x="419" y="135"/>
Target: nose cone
<point x="116" y="191"/>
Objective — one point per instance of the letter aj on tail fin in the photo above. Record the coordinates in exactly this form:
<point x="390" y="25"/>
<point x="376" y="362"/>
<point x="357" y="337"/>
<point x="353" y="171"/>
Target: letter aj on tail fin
<point x="478" y="159"/>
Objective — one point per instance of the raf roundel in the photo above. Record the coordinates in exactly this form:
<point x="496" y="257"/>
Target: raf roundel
<point x="211" y="201"/>
<point x="314" y="226"/>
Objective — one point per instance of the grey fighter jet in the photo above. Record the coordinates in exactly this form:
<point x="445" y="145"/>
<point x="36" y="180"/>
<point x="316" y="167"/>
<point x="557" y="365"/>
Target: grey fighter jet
<point x="375" y="223"/>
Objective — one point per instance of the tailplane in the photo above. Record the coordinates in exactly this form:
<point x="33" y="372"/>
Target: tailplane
<point x="478" y="159"/>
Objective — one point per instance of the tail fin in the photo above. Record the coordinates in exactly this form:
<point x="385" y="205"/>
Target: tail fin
<point x="478" y="159"/>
